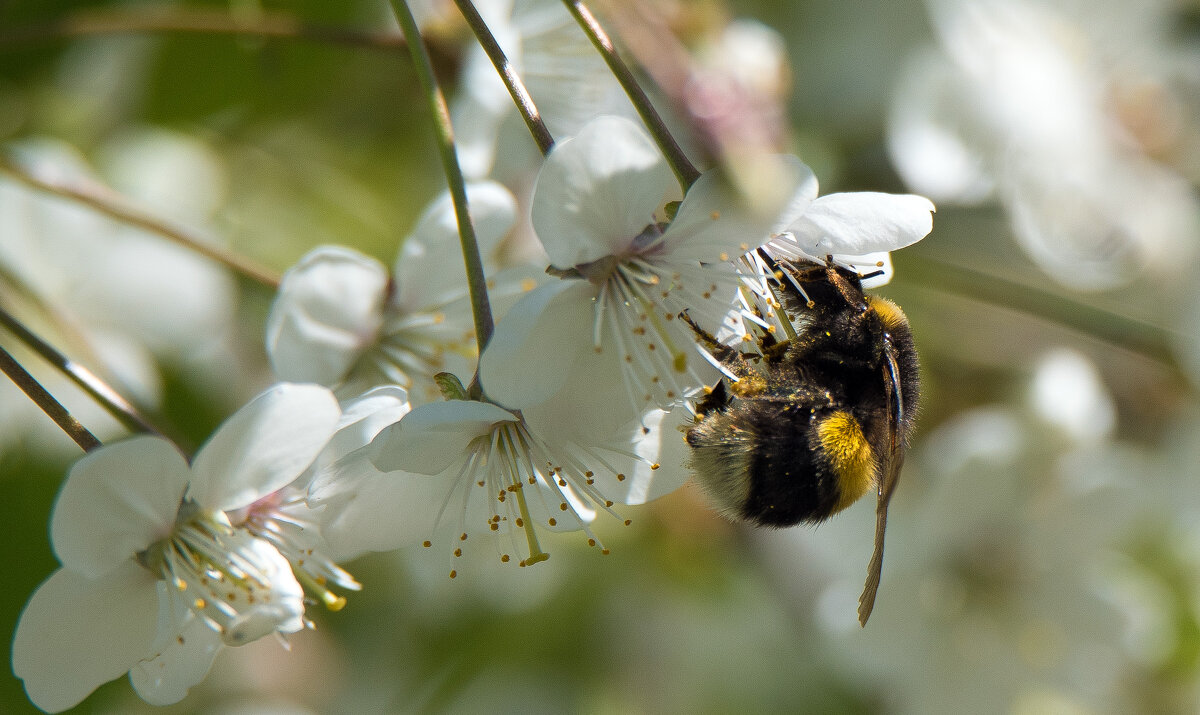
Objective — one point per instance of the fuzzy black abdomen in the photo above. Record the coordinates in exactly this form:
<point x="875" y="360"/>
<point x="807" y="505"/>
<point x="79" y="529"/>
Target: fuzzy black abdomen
<point x="791" y="480"/>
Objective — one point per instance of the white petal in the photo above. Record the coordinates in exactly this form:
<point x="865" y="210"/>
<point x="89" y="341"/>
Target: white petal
<point x="537" y="344"/>
<point x="862" y="222"/>
<point x="715" y="223"/>
<point x="363" y="509"/>
<point x="662" y="445"/>
<point x="363" y="418"/>
<point x="429" y="269"/>
<point x="264" y="446"/>
<point x="185" y="660"/>
<point x="598" y="190"/>
<point x="592" y="405"/>
<point x="666" y="448"/>
<point x="544" y="501"/>
<point x="117" y="500"/>
<point x="78" y="633"/>
<point x="328" y="309"/>
<point x="654" y="438"/>
<point x="432" y="437"/>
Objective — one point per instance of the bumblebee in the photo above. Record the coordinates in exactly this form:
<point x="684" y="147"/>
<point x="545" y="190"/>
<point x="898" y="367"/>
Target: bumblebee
<point x="810" y="424"/>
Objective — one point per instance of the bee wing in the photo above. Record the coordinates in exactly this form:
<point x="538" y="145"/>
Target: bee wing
<point x="887" y="484"/>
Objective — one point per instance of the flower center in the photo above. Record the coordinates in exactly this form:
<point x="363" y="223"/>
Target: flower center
<point x="285" y="521"/>
<point x="528" y="485"/>
<point x="236" y="583"/>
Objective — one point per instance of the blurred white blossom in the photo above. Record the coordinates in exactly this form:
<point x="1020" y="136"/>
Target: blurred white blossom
<point x="339" y="320"/>
<point x="999" y="573"/>
<point x="1017" y="104"/>
<point x="112" y="296"/>
<point x="1068" y="393"/>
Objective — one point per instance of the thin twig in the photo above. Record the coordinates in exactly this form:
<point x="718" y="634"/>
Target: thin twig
<point x="684" y="171"/>
<point x="269" y="25"/>
<point x="516" y="88"/>
<point x="476" y="281"/>
<point x="46" y="402"/>
<point x="105" y="396"/>
<point x="111" y="204"/>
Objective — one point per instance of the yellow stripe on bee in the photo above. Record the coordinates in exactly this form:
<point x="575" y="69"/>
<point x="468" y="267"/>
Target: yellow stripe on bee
<point x="849" y="454"/>
<point x="889" y="313"/>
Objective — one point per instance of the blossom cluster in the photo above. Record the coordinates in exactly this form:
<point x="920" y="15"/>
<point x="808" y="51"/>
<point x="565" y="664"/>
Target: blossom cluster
<point x="391" y="426"/>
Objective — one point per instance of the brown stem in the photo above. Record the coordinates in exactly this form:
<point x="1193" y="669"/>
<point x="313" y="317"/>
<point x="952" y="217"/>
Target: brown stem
<point x="46" y="402"/>
<point x="105" y="396"/>
<point x="684" y="171"/>
<point x="516" y="88"/>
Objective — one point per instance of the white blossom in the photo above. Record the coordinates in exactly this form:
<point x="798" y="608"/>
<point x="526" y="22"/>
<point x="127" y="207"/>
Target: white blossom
<point x="340" y="320"/>
<point x="1019" y="103"/>
<point x="628" y="272"/>
<point x="164" y="562"/>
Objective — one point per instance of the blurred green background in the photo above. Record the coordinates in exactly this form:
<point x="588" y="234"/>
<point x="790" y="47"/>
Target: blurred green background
<point x="1044" y="549"/>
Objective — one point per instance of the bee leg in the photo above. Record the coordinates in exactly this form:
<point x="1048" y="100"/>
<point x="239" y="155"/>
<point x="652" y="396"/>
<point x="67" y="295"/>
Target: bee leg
<point x="852" y="294"/>
<point x="719" y="350"/>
